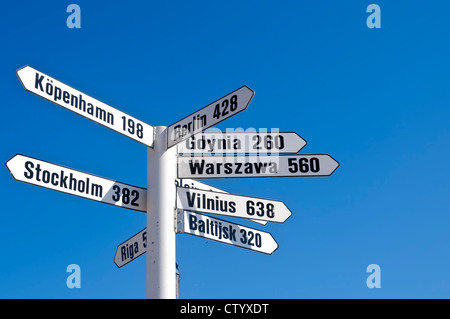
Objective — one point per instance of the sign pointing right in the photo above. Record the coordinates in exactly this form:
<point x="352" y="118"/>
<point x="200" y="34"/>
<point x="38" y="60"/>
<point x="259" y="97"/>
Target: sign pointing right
<point x="225" y="232"/>
<point x="232" y="205"/>
<point x="256" y="166"/>
<point x="210" y="115"/>
<point x="213" y="143"/>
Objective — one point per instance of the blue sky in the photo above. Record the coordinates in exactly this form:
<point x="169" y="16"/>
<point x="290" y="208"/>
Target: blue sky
<point x="374" y="99"/>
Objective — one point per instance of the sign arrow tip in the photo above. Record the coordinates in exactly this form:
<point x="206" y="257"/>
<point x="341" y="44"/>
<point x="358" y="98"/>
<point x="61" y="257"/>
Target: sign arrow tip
<point x="9" y="165"/>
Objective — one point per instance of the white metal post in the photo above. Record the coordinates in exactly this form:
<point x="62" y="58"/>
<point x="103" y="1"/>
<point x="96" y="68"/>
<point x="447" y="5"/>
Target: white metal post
<point x="161" y="192"/>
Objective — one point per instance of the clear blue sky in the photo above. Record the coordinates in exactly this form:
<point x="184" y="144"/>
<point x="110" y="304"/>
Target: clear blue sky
<point x="377" y="100"/>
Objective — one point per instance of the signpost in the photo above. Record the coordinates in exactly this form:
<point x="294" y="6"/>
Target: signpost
<point x="225" y="232"/>
<point x="232" y="205"/>
<point x="256" y="166"/>
<point x="131" y="249"/>
<point x="242" y="143"/>
<point x="175" y="209"/>
<point x="210" y="115"/>
<point x="33" y="171"/>
<point x="63" y="95"/>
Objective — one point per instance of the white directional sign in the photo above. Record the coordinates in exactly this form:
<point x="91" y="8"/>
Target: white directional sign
<point x="225" y="232"/>
<point x="256" y="166"/>
<point x="131" y="249"/>
<point x="210" y="115"/>
<point x="63" y="95"/>
<point x="231" y="205"/>
<point x="33" y="171"/>
<point x="193" y="184"/>
<point x="242" y="143"/>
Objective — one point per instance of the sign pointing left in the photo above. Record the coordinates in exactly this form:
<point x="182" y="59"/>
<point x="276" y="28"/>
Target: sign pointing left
<point x="63" y="95"/>
<point x="33" y="171"/>
<point x="131" y="249"/>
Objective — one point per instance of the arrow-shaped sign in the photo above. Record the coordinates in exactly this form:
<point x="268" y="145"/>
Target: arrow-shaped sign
<point x="210" y="115"/>
<point x="193" y="184"/>
<point x="131" y="249"/>
<point x="63" y="95"/>
<point x="242" y="143"/>
<point x="33" y="171"/>
<point x="225" y="232"/>
<point x="231" y="205"/>
<point x="256" y="166"/>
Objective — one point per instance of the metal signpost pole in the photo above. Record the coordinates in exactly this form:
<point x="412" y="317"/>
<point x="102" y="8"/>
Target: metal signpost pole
<point x="161" y="194"/>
